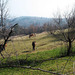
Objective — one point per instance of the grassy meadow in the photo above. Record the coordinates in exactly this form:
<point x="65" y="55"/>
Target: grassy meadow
<point x="21" y="44"/>
<point x="49" y="55"/>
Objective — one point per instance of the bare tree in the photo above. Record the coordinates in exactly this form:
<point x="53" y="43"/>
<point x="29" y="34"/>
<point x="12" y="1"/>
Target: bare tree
<point x="2" y="46"/>
<point x="3" y="17"/>
<point x="65" y="28"/>
<point x="5" y="32"/>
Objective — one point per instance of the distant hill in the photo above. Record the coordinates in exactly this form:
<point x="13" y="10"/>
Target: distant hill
<point x="27" y="21"/>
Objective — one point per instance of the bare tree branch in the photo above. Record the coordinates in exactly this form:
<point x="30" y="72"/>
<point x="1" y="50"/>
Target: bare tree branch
<point x="29" y="67"/>
<point x="2" y="47"/>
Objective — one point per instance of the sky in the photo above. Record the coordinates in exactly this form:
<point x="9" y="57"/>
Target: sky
<point x="38" y="8"/>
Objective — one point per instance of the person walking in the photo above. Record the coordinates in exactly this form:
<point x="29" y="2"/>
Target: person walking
<point x="33" y="44"/>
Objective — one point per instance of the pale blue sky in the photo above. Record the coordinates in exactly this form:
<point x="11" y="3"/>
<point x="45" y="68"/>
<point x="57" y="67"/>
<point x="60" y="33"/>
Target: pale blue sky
<point x="40" y="8"/>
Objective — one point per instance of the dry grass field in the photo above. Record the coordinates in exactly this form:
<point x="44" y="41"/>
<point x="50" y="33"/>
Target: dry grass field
<point x="19" y="52"/>
<point x="23" y="44"/>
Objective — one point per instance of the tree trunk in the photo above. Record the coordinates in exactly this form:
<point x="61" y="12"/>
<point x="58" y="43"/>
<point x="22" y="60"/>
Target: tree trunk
<point x="69" y="47"/>
<point x="2" y="55"/>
